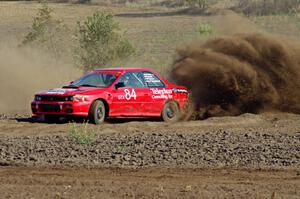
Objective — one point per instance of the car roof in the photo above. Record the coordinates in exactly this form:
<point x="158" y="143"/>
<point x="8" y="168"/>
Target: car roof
<point x="116" y="70"/>
<point x="121" y="69"/>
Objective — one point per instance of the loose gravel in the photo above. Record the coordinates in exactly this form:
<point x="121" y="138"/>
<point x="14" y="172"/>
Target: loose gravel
<point x="220" y="149"/>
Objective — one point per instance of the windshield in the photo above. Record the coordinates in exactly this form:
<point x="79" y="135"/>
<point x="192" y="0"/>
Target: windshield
<point x="96" y="80"/>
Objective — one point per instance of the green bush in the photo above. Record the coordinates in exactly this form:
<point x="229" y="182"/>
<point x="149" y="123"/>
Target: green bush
<point x="81" y="134"/>
<point x="267" y="7"/>
<point x="47" y="33"/>
<point x="100" y="41"/>
<point x="202" y="4"/>
<point x="205" y="29"/>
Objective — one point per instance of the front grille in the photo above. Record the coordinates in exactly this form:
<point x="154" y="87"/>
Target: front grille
<point x="49" y="107"/>
<point x="52" y="98"/>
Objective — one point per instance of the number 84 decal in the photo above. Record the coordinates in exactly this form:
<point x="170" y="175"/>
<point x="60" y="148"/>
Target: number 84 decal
<point x="128" y="95"/>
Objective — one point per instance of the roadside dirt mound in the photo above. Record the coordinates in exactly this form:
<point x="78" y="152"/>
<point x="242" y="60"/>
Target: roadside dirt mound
<point x="238" y="74"/>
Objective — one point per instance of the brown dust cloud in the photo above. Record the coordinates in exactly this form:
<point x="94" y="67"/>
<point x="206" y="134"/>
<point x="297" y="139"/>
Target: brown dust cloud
<point x="24" y="72"/>
<point x="244" y="73"/>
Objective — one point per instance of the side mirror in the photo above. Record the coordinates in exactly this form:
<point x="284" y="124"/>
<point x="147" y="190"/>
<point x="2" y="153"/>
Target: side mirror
<point x="119" y="85"/>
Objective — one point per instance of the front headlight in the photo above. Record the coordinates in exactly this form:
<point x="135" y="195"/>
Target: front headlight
<point x="37" y="98"/>
<point x="80" y="98"/>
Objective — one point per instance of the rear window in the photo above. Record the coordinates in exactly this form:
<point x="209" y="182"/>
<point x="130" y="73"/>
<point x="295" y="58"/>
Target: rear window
<point x="152" y="80"/>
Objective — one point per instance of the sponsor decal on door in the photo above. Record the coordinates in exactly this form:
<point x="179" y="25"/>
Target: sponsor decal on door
<point x="128" y="95"/>
<point x="161" y="93"/>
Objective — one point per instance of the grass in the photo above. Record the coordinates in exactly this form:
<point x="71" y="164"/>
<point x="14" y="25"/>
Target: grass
<point x="205" y="29"/>
<point x="121" y="149"/>
<point x="285" y="24"/>
<point x="81" y="134"/>
<point x="155" y="38"/>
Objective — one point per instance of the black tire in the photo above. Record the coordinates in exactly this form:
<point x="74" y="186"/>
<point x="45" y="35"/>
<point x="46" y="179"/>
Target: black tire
<point x="171" y="112"/>
<point x="51" y="118"/>
<point x="97" y="113"/>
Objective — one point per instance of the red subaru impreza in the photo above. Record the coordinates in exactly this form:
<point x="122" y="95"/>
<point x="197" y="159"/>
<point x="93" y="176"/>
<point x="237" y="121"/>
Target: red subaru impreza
<point x="113" y="92"/>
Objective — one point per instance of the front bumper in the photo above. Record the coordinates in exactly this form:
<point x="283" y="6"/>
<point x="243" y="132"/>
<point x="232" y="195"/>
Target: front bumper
<point x="60" y="108"/>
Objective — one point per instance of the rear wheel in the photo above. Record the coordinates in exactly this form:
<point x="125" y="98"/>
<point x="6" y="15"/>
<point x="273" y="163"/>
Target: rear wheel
<point x="97" y="112"/>
<point x="171" y="112"/>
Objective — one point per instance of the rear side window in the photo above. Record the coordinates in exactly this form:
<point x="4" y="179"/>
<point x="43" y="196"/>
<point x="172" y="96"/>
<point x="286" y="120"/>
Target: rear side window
<point x="152" y="80"/>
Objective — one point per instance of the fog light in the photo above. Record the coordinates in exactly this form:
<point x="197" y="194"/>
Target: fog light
<point x="69" y="110"/>
<point x="68" y="105"/>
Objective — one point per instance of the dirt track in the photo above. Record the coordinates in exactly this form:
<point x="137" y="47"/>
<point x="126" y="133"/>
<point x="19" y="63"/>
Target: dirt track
<point x="146" y="183"/>
<point x="269" y="141"/>
<point x="250" y="156"/>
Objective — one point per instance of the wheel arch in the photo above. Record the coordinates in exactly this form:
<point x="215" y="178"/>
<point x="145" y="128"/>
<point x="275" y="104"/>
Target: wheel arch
<point x="105" y="104"/>
<point x="169" y="100"/>
<point x="177" y="117"/>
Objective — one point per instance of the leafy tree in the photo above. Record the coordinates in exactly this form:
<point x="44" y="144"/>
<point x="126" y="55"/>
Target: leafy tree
<point x="47" y="33"/>
<point x="100" y="41"/>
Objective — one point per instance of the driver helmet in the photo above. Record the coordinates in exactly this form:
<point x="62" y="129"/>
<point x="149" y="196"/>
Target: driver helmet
<point x="127" y="80"/>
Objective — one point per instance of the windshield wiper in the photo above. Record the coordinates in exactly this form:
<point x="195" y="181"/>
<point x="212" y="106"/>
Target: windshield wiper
<point x="88" y="85"/>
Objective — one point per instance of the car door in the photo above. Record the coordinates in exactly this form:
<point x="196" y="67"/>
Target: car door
<point x="159" y="93"/>
<point x="129" y="99"/>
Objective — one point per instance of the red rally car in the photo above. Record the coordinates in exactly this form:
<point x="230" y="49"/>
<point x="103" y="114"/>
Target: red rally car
<point x="113" y="92"/>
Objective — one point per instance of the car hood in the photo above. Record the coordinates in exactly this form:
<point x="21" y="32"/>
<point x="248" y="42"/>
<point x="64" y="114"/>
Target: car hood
<point x="68" y="91"/>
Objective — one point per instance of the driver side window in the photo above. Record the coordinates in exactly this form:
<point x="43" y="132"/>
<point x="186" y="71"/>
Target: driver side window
<point x="133" y="80"/>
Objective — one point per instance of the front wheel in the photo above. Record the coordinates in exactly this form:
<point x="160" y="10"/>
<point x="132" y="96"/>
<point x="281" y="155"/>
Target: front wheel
<point x="171" y="112"/>
<point x="97" y="112"/>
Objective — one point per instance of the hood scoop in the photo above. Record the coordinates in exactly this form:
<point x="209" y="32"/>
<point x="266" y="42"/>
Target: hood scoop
<point x="71" y="86"/>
